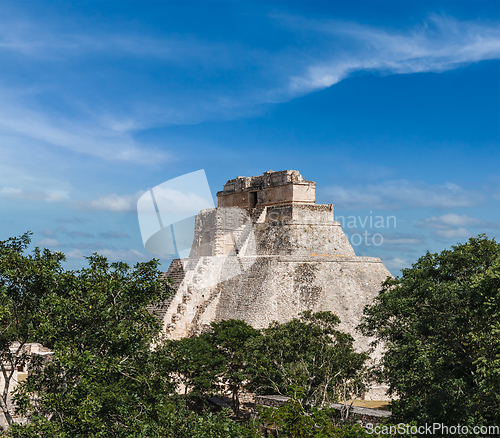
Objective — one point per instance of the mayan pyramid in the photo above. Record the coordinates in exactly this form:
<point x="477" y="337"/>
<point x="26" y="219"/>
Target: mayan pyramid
<point x="267" y="253"/>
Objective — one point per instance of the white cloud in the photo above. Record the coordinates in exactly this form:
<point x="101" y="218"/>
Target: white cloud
<point x="124" y="254"/>
<point x="114" y="235"/>
<point x="48" y="44"/>
<point x="451" y="225"/>
<point x="104" y="125"/>
<point x="398" y="194"/>
<point x="338" y="49"/>
<point x="47" y="232"/>
<point x="453" y="234"/>
<point x="449" y="220"/>
<point x="89" y="135"/>
<point x="401" y="241"/>
<point x="74" y="234"/>
<point x="47" y="243"/>
<point x="48" y="196"/>
<point x="396" y="263"/>
<point x="171" y="201"/>
<point x="91" y="246"/>
<point x="74" y="254"/>
<point x="111" y="202"/>
<point x="441" y="43"/>
<point x="168" y="201"/>
<point x="75" y="220"/>
<point x="128" y="255"/>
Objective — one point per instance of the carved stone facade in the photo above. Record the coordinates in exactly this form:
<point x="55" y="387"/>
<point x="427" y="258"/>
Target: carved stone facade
<point x="267" y="253"/>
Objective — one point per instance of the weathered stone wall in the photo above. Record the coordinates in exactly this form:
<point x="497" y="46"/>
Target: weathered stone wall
<point x="271" y="188"/>
<point x="325" y="239"/>
<point x="279" y="288"/>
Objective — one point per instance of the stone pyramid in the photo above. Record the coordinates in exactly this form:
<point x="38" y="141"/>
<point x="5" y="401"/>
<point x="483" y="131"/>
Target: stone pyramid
<point x="267" y="253"/>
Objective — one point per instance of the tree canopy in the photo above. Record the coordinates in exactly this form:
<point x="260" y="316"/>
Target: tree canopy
<point x="440" y="325"/>
<point x="25" y="282"/>
<point x="308" y="359"/>
<point x="112" y="375"/>
<point x="102" y="373"/>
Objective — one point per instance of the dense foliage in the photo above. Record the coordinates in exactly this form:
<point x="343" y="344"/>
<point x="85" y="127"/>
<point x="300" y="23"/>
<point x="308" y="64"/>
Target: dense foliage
<point x="308" y="359"/>
<point x="112" y="375"/>
<point x="293" y="421"/>
<point x="25" y="282"/>
<point x="101" y="379"/>
<point x="440" y="322"/>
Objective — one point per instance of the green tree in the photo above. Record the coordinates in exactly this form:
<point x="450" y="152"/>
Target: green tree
<point x="308" y="359"/>
<point x="212" y="363"/>
<point x="195" y="364"/>
<point x="24" y="282"/>
<point x="293" y="421"/>
<point x="484" y="338"/>
<point x="231" y="338"/>
<point x="439" y="322"/>
<point x="103" y="379"/>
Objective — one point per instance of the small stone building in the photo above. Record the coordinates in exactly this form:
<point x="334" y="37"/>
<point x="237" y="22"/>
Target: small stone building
<point x="267" y="253"/>
<point x="17" y="371"/>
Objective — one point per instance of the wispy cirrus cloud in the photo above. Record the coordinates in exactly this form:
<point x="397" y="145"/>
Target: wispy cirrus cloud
<point x="110" y="202"/>
<point x="42" y="41"/>
<point x="51" y="243"/>
<point x="114" y="235"/>
<point x="253" y="76"/>
<point x="452" y="225"/>
<point x="450" y="220"/>
<point x="398" y="194"/>
<point x="130" y="255"/>
<point x="47" y="196"/>
<point x="441" y="43"/>
<point x="107" y="137"/>
<point x="98" y="119"/>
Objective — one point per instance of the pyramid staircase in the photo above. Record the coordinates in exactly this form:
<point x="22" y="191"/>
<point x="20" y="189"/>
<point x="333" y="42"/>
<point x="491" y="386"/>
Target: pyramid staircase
<point x="192" y="281"/>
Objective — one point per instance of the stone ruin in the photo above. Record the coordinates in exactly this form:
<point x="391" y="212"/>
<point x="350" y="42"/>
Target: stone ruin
<point x="267" y="253"/>
<point x="12" y="377"/>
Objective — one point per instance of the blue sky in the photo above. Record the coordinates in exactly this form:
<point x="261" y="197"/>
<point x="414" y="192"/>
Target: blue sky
<point x="393" y="108"/>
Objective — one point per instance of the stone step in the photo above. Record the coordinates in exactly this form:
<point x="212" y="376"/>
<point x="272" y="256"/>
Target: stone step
<point x="177" y="274"/>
